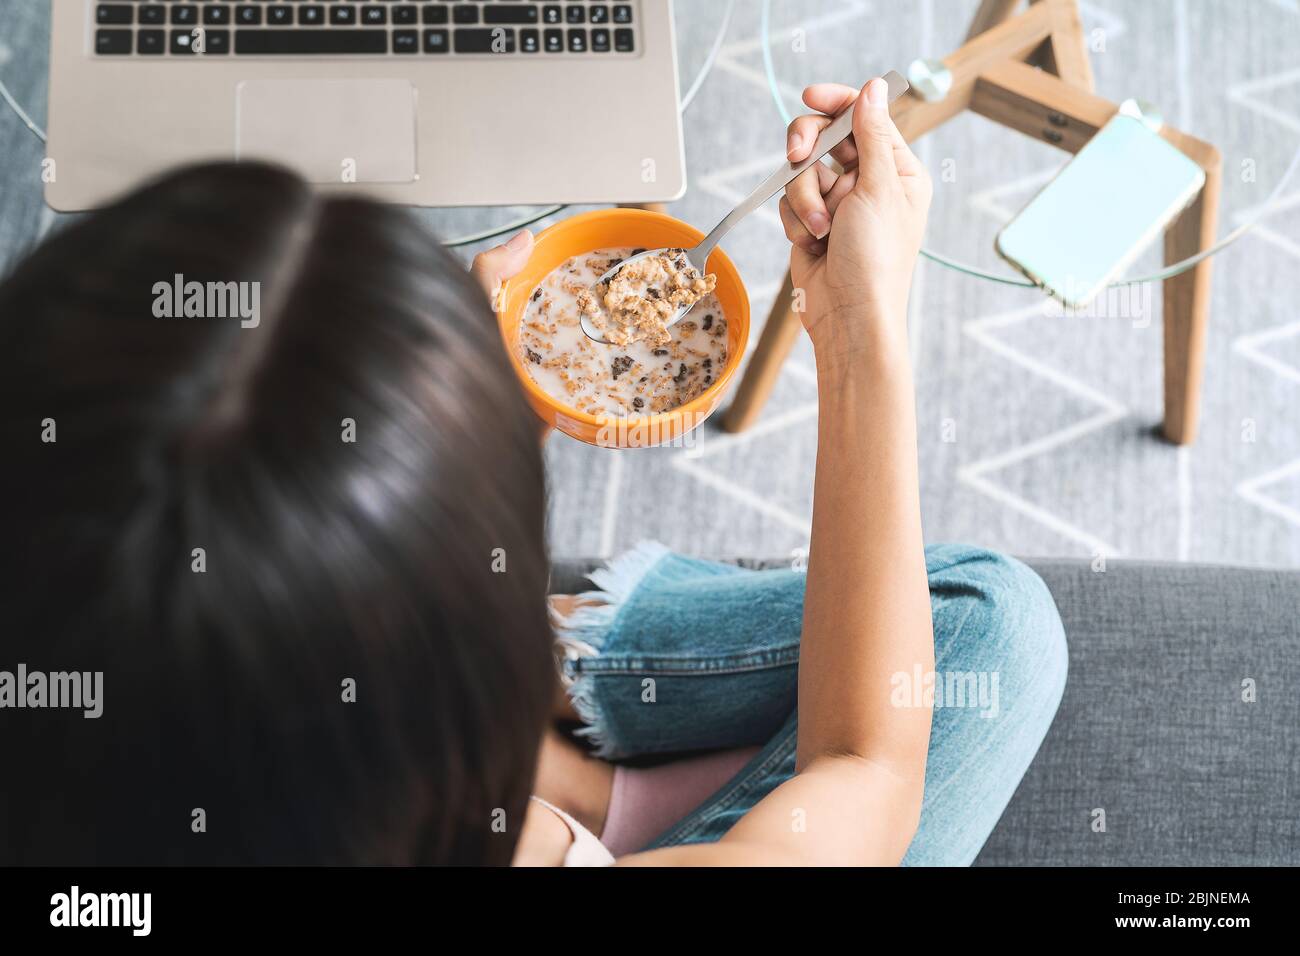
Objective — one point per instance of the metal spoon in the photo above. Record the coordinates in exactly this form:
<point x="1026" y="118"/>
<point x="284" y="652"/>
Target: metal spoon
<point x="828" y="139"/>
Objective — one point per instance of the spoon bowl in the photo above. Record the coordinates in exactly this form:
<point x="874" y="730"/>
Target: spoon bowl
<point x="697" y="256"/>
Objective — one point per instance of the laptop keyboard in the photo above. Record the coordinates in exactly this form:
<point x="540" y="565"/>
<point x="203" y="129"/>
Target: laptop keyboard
<point x="375" y="27"/>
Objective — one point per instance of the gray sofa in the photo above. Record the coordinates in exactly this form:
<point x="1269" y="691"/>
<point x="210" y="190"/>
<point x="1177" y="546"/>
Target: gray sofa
<point x="1153" y="727"/>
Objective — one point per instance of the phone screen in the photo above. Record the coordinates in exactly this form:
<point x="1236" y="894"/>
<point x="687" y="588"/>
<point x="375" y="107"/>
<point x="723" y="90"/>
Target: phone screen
<point x="1108" y="204"/>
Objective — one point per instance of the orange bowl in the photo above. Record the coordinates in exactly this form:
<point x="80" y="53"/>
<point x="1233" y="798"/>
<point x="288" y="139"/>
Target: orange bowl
<point x="603" y="229"/>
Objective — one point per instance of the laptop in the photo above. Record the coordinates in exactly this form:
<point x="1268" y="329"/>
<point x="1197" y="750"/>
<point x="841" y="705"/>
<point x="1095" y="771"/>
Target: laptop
<point x="423" y="102"/>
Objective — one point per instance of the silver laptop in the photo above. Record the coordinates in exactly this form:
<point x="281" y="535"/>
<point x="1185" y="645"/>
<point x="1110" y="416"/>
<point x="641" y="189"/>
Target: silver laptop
<point x="426" y="102"/>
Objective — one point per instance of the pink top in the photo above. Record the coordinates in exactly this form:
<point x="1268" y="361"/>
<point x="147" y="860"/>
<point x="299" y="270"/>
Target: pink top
<point x="585" y="850"/>
<point x="644" y="802"/>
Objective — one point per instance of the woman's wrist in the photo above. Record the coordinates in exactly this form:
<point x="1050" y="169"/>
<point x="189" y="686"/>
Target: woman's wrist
<point x="863" y="340"/>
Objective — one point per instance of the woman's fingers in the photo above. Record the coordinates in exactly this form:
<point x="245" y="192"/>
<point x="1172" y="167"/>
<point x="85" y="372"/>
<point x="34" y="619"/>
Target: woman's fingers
<point x="808" y="217"/>
<point x="842" y="187"/>
<point x="811" y="199"/>
<point x="904" y="159"/>
<point x="797" y="232"/>
<point x="804" y="197"/>
<point x="802" y="136"/>
<point x="877" y="139"/>
<point x="832" y="98"/>
<point x="493" y="266"/>
<point x="802" y="133"/>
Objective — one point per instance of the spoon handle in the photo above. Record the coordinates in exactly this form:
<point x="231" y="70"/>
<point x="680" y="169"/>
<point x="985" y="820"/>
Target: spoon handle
<point x="828" y="139"/>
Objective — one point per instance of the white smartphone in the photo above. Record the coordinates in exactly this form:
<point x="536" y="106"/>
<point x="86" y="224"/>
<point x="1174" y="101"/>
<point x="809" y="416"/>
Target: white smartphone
<point x="1101" y="211"/>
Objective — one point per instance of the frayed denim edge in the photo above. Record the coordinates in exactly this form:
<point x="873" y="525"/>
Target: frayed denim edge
<point x="583" y="633"/>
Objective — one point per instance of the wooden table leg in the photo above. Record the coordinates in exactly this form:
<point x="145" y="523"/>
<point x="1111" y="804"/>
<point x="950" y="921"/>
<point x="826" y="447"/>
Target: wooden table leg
<point x="1067" y="48"/>
<point x="774" y="345"/>
<point x="989" y="15"/>
<point x="1187" y="309"/>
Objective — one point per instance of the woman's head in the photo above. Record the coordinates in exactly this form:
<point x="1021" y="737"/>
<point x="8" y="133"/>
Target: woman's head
<point x="307" y="554"/>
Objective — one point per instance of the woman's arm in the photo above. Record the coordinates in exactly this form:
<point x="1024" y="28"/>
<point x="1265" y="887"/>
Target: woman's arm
<point x="856" y="796"/>
<point x="860" y="759"/>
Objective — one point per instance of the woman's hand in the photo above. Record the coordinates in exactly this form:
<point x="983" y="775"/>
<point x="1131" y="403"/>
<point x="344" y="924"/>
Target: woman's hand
<point x="494" y="266"/>
<point x="856" y="235"/>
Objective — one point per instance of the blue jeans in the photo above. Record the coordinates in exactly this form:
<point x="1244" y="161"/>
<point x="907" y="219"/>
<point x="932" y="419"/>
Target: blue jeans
<point x="1000" y="667"/>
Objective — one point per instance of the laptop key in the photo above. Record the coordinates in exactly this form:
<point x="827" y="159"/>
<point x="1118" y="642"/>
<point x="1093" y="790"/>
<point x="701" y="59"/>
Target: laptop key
<point x="463" y="14"/>
<point x="431" y="15"/>
<point x="294" y="42"/>
<point x="279" y="15"/>
<point x="530" y="41"/>
<point x="437" y="41"/>
<point x="308" y="15"/>
<point x="117" y="13"/>
<point x="600" y="41"/>
<point x="373" y="15"/>
<point x="248" y="16"/>
<point x="216" y="42"/>
<point x="343" y="16"/>
<point x="600" y="14"/>
<point x="577" y="41"/>
<point x="153" y="13"/>
<point x="623" y="13"/>
<point x="623" y="41"/>
<point x="510" y="15"/>
<point x="182" y="42"/>
<point x="151" y="42"/>
<point x="554" y="41"/>
<point x="406" y="14"/>
<point x="112" y="42"/>
<point x="552" y="14"/>
<point x="575" y="14"/>
<point x="185" y="15"/>
<point x="494" y="40"/>
<point x="406" y="41"/>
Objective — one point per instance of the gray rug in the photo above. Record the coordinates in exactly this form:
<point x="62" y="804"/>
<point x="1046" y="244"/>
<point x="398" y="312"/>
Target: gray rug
<point x="1036" y="431"/>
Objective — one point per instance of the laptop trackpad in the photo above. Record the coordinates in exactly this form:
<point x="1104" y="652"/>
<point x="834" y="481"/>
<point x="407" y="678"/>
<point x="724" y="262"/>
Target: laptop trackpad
<point x="330" y="131"/>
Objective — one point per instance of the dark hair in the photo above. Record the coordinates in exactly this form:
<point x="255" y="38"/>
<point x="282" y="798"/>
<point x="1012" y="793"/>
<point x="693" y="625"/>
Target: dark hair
<point x="410" y="560"/>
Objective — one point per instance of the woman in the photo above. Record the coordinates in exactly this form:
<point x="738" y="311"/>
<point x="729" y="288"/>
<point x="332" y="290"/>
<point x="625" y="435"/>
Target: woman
<point x="306" y="554"/>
